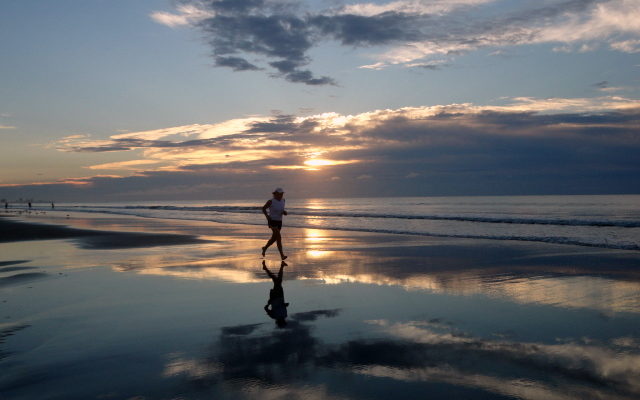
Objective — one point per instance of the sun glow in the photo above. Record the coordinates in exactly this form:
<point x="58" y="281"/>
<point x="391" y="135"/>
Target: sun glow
<point x="318" y="253"/>
<point x="314" y="164"/>
<point x="320" y="162"/>
<point x="314" y="235"/>
<point x="323" y="162"/>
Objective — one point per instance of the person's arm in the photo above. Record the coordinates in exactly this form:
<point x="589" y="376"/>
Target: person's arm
<point x="264" y="209"/>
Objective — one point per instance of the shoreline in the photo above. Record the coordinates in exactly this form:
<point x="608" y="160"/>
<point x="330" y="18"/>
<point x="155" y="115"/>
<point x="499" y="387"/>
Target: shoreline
<point x="243" y="226"/>
<point x="427" y="253"/>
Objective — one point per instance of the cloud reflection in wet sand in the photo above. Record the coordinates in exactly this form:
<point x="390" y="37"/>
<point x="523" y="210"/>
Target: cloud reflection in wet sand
<point x="597" y="293"/>
<point x="612" y="366"/>
<point x="252" y="360"/>
<point x="524" y="284"/>
<point x="258" y="360"/>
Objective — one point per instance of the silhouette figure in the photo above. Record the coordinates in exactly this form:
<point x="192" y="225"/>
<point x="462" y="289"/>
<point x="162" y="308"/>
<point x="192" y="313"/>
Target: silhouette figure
<point x="53" y="205"/>
<point x="6" y="205"/>
<point x="274" y="220"/>
<point x="29" y="205"/>
<point x="276" y="307"/>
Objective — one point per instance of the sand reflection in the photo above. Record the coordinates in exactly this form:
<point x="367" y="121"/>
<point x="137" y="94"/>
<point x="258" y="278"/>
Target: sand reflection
<point x="596" y="364"/>
<point x="604" y="281"/>
<point x="602" y="294"/>
<point x="610" y="293"/>
<point x="421" y="352"/>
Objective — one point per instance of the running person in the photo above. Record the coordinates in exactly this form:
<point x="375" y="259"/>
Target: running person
<point x="274" y="220"/>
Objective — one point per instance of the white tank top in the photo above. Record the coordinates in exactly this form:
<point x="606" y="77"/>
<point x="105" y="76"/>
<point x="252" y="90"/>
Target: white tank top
<point x="276" y="209"/>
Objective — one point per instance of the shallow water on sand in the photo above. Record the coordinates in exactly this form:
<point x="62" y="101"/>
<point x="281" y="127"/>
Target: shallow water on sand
<point x="369" y="317"/>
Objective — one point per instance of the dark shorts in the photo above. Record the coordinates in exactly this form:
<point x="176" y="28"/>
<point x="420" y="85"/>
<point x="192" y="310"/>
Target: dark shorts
<point x="275" y="224"/>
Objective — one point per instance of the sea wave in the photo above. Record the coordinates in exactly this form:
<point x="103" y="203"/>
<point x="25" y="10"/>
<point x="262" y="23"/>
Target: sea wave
<point x="221" y="215"/>
<point x="346" y="214"/>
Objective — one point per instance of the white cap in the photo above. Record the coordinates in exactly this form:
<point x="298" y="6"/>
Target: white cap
<point x="278" y="190"/>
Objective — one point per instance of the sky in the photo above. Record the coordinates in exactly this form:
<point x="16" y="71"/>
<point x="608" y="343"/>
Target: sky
<point x="119" y="100"/>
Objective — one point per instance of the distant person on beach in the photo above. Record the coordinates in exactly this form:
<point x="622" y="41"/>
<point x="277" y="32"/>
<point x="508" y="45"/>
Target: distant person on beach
<point x="6" y="205"/>
<point x="29" y="205"/>
<point x="276" y="308"/>
<point x="53" y="205"/>
<point x="275" y="208"/>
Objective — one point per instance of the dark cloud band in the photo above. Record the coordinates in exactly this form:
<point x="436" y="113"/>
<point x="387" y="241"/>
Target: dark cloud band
<point x="282" y="32"/>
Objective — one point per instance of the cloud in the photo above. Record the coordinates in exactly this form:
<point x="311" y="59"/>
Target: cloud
<point x="601" y="85"/>
<point x="627" y="46"/>
<point x="187" y="14"/>
<point x="627" y="341"/>
<point x="282" y="33"/>
<point x="555" y="145"/>
<point x="578" y="25"/>
<point x="264" y="28"/>
<point x="430" y="65"/>
<point x="5" y="127"/>
<point x="604" y="86"/>
<point x="235" y="63"/>
<point x="127" y="165"/>
<point x="408" y="7"/>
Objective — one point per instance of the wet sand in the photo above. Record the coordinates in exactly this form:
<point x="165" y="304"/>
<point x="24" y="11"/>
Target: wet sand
<point x="14" y="231"/>
<point x="97" y="306"/>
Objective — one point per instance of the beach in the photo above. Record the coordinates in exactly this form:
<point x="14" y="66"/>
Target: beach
<point x="104" y="306"/>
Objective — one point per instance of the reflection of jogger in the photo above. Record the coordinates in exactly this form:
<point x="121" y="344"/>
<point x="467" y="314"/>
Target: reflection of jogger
<point x="276" y="308"/>
<point x="275" y="206"/>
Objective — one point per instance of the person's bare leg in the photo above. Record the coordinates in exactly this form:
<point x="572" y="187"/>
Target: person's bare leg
<point x="279" y="243"/>
<point x="273" y="238"/>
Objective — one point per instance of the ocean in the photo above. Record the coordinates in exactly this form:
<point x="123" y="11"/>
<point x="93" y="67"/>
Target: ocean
<point x="606" y="221"/>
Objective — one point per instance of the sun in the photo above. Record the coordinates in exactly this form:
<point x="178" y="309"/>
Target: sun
<point x="317" y="162"/>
